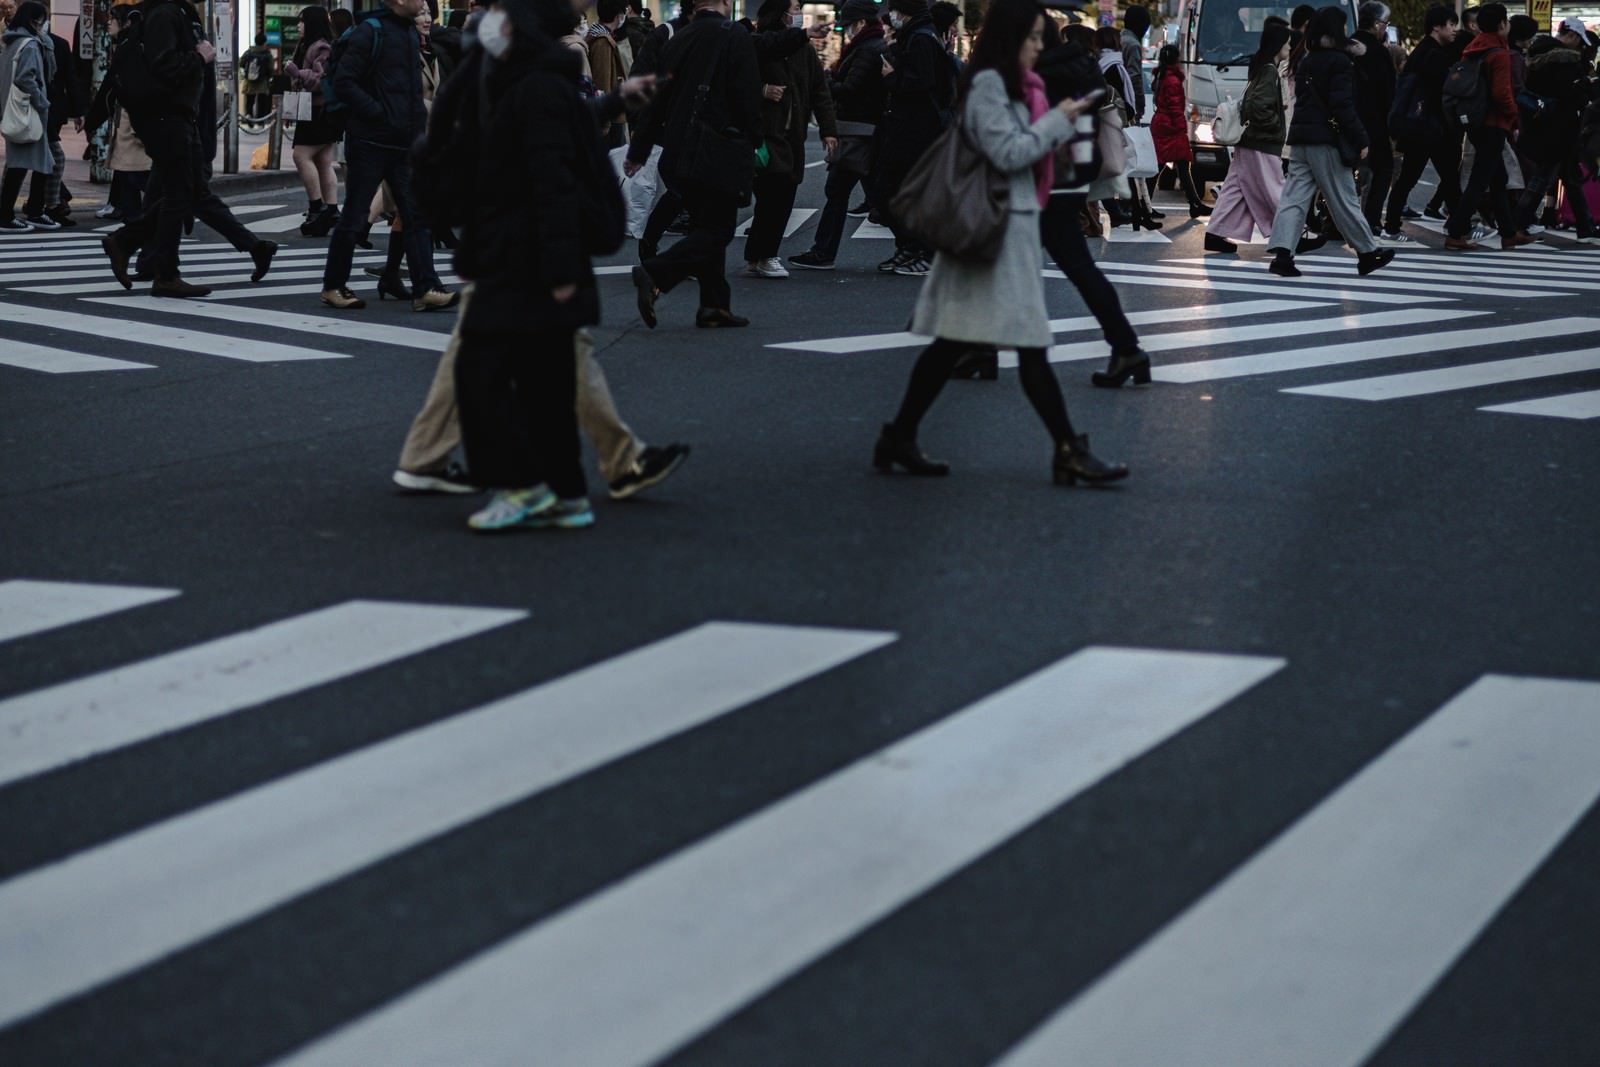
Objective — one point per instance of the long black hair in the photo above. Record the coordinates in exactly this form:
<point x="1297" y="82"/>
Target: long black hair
<point x="29" y="13"/>
<point x="1274" y="36"/>
<point x="1006" y="27"/>
<point x="770" y="15"/>
<point x="318" y="28"/>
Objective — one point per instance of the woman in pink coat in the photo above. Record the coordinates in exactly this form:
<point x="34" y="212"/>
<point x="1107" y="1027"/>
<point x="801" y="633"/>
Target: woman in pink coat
<point x="1169" y="127"/>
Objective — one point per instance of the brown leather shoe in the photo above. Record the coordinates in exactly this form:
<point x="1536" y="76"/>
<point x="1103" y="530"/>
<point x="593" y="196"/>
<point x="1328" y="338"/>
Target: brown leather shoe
<point x="119" y="259"/>
<point x="713" y="318"/>
<point x="176" y="286"/>
<point x="1461" y="244"/>
<point x="1517" y="240"/>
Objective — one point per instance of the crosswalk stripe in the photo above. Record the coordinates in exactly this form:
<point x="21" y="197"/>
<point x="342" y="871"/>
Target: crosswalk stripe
<point x="209" y="267"/>
<point x="1319" y="291"/>
<point x="1361" y="351"/>
<point x="83" y="921"/>
<point x="28" y="607"/>
<point x="279" y="223"/>
<point x="94" y="263"/>
<point x="1507" y="261"/>
<point x="1467" y="376"/>
<point x="1403" y="268"/>
<point x="872" y="231"/>
<point x="74" y="720"/>
<point x="1313" y="951"/>
<point x="60" y="361"/>
<point x="322" y="325"/>
<point x="239" y="274"/>
<point x="147" y="333"/>
<point x="1119" y="235"/>
<point x="1584" y="405"/>
<point x="1359" y="284"/>
<point x="873" y="342"/>
<point x="629" y="974"/>
<point x="797" y="219"/>
<point x="1166" y="342"/>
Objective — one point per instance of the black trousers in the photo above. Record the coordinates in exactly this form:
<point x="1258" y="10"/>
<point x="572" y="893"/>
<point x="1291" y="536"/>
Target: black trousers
<point x="661" y="216"/>
<point x="517" y="395"/>
<point x="933" y="368"/>
<point x="1488" y="175"/>
<point x="10" y="187"/>
<point x="1542" y="180"/>
<point x="178" y="192"/>
<point x="1377" y="175"/>
<point x="774" y="203"/>
<point x="1063" y="238"/>
<point x="702" y="251"/>
<point x="1444" y="152"/>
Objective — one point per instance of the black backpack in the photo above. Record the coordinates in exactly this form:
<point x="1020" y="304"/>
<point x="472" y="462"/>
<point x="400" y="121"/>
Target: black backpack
<point x="1465" y="98"/>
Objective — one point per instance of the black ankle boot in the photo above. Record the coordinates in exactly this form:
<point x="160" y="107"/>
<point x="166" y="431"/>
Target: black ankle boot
<point x="1123" y="365"/>
<point x="1283" y="264"/>
<point x="982" y="363"/>
<point x="1198" y="209"/>
<point x="1073" y="461"/>
<point x="894" y="450"/>
<point x="1213" y="243"/>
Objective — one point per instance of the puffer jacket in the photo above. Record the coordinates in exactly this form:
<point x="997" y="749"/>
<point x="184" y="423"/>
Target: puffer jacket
<point x="1558" y="78"/>
<point x="381" y="84"/>
<point x="784" y="122"/>
<point x="1262" y="111"/>
<point x="857" y="81"/>
<point x="1324" y="89"/>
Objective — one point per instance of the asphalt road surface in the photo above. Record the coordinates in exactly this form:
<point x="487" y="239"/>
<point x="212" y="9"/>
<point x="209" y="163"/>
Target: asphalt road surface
<point x="1282" y="753"/>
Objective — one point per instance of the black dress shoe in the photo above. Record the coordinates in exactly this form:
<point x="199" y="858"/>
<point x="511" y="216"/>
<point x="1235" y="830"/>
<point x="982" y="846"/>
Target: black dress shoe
<point x="391" y="285"/>
<point x="1213" y="243"/>
<point x="1074" y="461"/>
<point x="262" y="254"/>
<point x="894" y="450"/>
<point x="717" y="318"/>
<point x="1283" y="266"/>
<point x="981" y="363"/>
<point x="645" y="293"/>
<point x="176" y="286"/>
<point x="119" y="260"/>
<point x="1367" y="262"/>
<point x="1123" y="365"/>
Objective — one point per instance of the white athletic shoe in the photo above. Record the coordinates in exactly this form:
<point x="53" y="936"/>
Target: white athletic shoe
<point x="1394" y="240"/>
<point x="767" y="268"/>
<point x="1534" y="230"/>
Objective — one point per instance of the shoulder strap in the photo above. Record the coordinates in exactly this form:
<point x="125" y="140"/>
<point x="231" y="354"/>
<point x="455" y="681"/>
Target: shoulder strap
<point x="703" y="90"/>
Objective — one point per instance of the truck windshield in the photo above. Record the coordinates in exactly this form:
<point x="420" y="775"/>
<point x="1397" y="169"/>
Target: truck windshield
<point x="1230" y="29"/>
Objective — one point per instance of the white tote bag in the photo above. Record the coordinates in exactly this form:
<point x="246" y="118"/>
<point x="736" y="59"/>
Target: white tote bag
<point x="20" y="124"/>
<point x="296" y="107"/>
<point x="1141" y="152"/>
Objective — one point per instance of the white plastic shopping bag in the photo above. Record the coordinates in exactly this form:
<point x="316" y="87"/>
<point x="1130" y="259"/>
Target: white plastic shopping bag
<point x="641" y="191"/>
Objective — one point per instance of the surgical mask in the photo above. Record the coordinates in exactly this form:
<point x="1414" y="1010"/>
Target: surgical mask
<point x="492" y="34"/>
<point x="896" y="19"/>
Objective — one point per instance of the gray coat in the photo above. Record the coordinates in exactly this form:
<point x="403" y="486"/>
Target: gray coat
<point x="999" y="303"/>
<point x="28" y="66"/>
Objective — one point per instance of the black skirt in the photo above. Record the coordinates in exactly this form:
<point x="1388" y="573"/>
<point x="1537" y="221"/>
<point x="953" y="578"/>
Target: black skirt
<point x="320" y="129"/>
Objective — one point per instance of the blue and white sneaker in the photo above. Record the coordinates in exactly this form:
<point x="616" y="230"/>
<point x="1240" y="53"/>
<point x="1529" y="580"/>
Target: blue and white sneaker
<point x="512" y="507"/>
<point x="575" y="514"/>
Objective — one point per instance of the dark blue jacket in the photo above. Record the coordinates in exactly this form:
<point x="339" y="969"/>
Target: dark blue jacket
<point x="380" y="83"/>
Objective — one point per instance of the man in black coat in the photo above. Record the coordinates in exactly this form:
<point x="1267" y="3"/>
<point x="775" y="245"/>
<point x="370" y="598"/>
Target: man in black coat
<point x="45" y="208"/>
<point x="1421" y="131"/>
<point x="378" y="79"/>
<point x="1375" y="82"/>
<point x="709" y="51"/>
<point x="920" y="79"/>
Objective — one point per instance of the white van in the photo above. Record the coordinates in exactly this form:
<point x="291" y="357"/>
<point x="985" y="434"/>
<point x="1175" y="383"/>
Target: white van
<point x="1216" y="39"/>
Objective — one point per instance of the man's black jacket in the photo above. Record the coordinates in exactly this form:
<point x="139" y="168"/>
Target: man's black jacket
<point x="380" y="83"/>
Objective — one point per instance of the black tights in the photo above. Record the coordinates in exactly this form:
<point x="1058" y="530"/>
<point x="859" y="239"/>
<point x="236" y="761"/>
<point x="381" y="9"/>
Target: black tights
<point x="933" y="368"/>
<point x="1182" y="168"/>
<point x="10" y="188"/>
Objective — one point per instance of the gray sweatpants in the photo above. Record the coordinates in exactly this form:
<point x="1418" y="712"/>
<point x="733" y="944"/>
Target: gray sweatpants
<point x="1314" y="167"/>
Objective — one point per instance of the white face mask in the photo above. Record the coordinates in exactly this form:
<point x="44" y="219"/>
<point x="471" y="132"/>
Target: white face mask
<point x="895" y="19"/>
<point x="492" y="34"/>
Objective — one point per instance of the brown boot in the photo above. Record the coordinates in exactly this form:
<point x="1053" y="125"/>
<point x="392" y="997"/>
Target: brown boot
<point x="1517" y="240"/>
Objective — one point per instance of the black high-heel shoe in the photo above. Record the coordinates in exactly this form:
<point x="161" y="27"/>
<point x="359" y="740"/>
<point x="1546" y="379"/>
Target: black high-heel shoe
<point x="1073" y="461"/>
<point x="391" y="285"/>
<point x="1142" y="219"/>
<point x="893" y="450"/>
<point x="1123" y="365"/>
<point x="1198" y="210"/>
<point x="980" y="363"/>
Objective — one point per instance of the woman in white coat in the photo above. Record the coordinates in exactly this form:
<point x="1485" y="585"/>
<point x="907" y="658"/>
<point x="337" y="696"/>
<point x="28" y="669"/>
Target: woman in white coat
<point x="964" y="303"/>
<point x="28" y="64"/>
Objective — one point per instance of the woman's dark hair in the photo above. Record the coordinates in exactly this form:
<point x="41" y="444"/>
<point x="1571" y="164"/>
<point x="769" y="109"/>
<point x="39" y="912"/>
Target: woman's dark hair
<point x="1052" y="34"/>
<point x="318" y="28"/>
<point x="1331" y="23"/>
<point x="1006" y="27"/>
<point x="1300" y="16"/>
<point x="29" y="13"/>
<point x="342" y="18"/>
<point x="769" y="16"/>
<point x="1167" y="57"/>
<point x="1273" y="37"/>
<point x="1107" y="37"/>
<point x="1079" y="34"/>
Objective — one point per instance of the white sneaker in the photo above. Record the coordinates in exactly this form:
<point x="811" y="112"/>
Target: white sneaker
<point x="767" y="268"/>
<point x="1534" y="230"/>
<point x="1393" y="240"/>
<point x="43" y="222"/>
<point x="105" y="211"/>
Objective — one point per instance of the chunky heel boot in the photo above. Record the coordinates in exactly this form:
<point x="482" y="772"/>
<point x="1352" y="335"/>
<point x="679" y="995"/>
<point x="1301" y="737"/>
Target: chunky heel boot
<point x="981" y="363"/>
<point x="1213" y="243"/>
<point x="894" y="450"/>
<point x="391" y="285"/>
<point x="1123" y="365"/>
<point x="1073" y="461"/>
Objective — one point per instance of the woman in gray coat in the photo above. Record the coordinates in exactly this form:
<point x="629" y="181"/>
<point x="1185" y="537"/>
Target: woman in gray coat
<point x="28" y="63"/>
<point x="965" y="303"/>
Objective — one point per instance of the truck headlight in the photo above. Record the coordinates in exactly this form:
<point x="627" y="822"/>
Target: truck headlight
<point x="1202" y="133"/>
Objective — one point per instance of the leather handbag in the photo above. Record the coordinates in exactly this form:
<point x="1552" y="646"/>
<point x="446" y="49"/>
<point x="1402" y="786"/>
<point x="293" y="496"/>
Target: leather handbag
<point x="720" y="160"/>
<point x="954" y="200"/>
<point x="856" y="141"/>
<point x="21" y="122"/>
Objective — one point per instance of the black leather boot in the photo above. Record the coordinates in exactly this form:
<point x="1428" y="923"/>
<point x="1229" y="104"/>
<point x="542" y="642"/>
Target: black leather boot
<point x="894" y="450"/>
<point x="1213" y="243"/>
<point x="1123" y="365"/>
<point x="1283" y="264"/>
<point x="1073" y="461"/>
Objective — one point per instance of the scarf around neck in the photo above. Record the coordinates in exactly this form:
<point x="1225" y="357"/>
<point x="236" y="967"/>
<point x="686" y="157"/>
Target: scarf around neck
<point x="1044" y="171"/>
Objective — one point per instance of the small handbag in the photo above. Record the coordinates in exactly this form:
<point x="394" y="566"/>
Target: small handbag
<point x="954" y="200"/>
<point x="297" y="106"/>
<point x="856" y="140"/>
<point x="21" y="122"/>
<point x="1113" y="146"/>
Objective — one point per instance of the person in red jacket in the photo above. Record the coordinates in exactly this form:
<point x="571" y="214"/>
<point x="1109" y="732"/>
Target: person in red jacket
<point x="1489" y="139"/>
<point x="1169" y="127"/>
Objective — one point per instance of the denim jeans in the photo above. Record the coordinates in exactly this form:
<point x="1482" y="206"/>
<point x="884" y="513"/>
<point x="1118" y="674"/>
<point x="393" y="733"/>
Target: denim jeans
<point x="369" y="166"/>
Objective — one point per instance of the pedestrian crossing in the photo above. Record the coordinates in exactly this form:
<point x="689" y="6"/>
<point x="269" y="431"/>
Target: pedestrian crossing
<point x="1308" y="952"/>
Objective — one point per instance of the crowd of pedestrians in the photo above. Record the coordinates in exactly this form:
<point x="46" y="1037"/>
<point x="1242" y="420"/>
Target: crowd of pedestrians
<point x="430" y="119"/>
